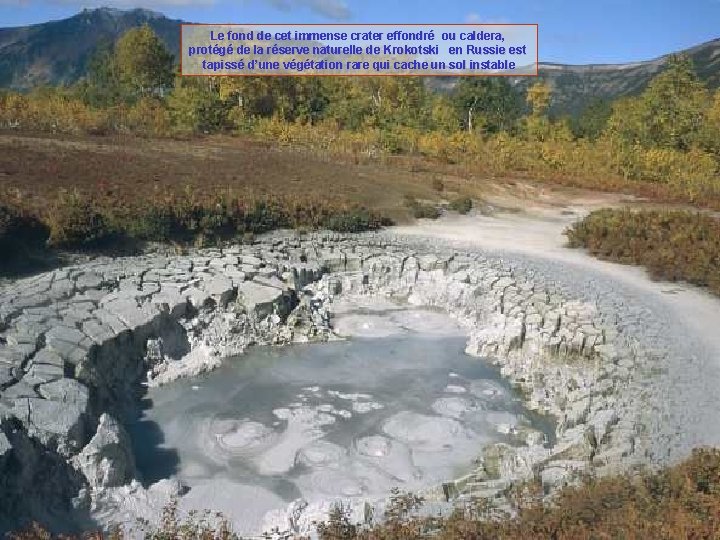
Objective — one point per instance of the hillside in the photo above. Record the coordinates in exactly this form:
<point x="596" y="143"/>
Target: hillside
<point x="574" y="85"/>
<point x="57" y="52"/>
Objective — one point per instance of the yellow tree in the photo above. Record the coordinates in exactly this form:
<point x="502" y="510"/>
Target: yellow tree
<point x="537" y="125"/>
<point x="710" y="138"/>
<point x="538" y="97"/>
<point x="670" y="113"/>
<point x="143" y="62"/>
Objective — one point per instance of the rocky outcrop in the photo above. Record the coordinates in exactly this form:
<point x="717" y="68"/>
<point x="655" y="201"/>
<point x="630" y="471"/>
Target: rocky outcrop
<point x="77" y="346"/>
<point x="107" y="460"/>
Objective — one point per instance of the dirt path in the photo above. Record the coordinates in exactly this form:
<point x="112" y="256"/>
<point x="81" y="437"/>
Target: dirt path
<point x="691" y="317"/>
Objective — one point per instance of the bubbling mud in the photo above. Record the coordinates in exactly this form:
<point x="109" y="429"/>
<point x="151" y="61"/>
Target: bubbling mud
<point x="398" y="404"/>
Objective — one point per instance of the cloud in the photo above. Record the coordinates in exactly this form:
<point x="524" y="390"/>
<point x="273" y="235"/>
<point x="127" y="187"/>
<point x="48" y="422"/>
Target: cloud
<point x="474" y="18"/>
<point x="332" y="9"/>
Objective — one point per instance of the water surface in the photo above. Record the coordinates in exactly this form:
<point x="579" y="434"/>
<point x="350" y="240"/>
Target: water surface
<point x="347" y="419"/>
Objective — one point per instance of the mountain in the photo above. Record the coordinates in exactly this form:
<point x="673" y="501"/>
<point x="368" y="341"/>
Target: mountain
<point x="574" y="86"/>
<point x="58" y="51"/>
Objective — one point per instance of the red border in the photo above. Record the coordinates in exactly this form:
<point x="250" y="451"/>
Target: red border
<point x="537" y="53"/>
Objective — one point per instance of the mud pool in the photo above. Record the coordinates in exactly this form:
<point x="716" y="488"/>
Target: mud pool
<point x="320" y="422"/>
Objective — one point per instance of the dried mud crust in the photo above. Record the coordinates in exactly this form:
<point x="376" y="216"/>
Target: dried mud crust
<point x="77" y="345"/>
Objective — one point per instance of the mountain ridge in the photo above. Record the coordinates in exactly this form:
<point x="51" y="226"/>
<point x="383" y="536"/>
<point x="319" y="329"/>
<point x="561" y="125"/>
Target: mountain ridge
<point x="57" y="52"/>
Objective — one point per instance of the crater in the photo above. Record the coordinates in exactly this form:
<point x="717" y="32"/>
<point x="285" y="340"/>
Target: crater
<point x="340" y="421"/>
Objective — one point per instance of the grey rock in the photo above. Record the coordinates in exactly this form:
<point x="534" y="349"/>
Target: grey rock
<point x="259" y="300"/>
<point x="5" y="446"/>
<point x="21" y="389"/>
<point x="107" y="460"/>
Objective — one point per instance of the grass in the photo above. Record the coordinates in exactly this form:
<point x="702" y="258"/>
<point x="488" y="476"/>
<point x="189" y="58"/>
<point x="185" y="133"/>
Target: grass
<point x="91" y="193"/>
<point x="672" y="245"/>
<point x="682" y="501"/>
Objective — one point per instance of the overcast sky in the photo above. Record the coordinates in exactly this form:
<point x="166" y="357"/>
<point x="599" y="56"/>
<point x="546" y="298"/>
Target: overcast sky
<point x="578" y="32"/>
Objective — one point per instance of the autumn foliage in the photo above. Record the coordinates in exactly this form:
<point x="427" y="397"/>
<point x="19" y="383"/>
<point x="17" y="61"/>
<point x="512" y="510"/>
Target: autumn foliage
<point x="672" y="245"/>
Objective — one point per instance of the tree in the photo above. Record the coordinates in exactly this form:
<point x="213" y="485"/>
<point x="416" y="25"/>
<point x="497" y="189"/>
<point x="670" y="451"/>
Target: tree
<point x="396" y="101"/>
<point x="350" y="101"/>
<point x="592" y="121"/>
<point x="289" y="98"/>
<point x="538" y="97"/>
<point x="380" y="102"/>
<point x="443" y="116"/>
<point x="537" y="126"/>
<point x="710" y="132"/>
<point x="143" y="62"/>
<point x="101" y="86"/>
<point x="491" y="104"/>
<point x="668" y="114"/>
<point x="196" y="105"/>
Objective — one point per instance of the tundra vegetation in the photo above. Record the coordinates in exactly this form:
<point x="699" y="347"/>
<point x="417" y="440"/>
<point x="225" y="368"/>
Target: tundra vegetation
<point x="663" y="143"/>
<point x="682" y="501"/>
<point x="672" y="245"/>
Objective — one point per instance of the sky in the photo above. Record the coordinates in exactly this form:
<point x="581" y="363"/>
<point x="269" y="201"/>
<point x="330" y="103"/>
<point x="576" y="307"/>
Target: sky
<point x="573" y="32"/>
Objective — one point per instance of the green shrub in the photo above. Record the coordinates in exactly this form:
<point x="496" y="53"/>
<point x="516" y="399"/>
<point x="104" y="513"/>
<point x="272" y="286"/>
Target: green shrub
<point x="155" y="223"/>
<point x="461" y="205"/>
<point x="354" y="220"/>
<point x="422" y="210"/>
<point x="672" y="245"/>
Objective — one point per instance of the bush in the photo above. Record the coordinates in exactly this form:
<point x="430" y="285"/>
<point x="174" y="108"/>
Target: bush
<point x="672" y="245"/>
<point x="682" y="501"/>
<point x="355" y="220"/>
<point x="461" y="205"/>
<point x="422" y="210"/>
<point x="75" y="221"/>
<point x="81" y="222"/>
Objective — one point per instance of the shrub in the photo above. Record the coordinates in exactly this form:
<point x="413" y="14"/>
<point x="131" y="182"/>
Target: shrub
<point x="422" y="210"/>
<point x="148" y="117"/>
<point x="461" y="205"/>
<point x="672" y="245"/>
<point x="76" y="221"/>
<point x="155" y="223"/>
<point x="682" y="501"/>
<point x="355" y="220"/>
